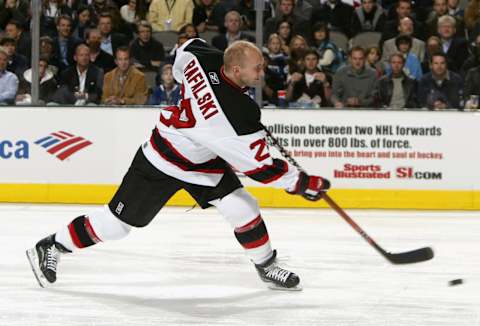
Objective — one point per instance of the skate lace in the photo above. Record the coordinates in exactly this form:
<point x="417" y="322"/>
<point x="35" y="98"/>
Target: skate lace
<point x="52" y="258"/>
<point x="277" y="273"/>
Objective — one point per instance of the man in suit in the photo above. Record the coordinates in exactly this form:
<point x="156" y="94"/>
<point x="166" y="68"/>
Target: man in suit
<point x="456" y="48"/>
<point x="64" y="44"/>
<point x="98" y="57"/>
<point x="232" y="23"/>
<point x="110" y="41"/>
<point x="14" y="29"/>
<point x="406" y="27"/>
<point x="82" y="83"/>
<point x="124" y="85"/>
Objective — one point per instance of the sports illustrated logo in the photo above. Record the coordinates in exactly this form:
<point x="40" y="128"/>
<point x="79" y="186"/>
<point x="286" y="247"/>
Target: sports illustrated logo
<point x="357" y="171"/>
<point x="62" y="144"/>
<point x="214" y="78"/>
<point x="119" y="208"/>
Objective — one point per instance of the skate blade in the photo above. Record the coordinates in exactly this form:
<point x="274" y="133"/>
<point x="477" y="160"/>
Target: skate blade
<point x="33" y="260"/>
<point x="281" y="288"/>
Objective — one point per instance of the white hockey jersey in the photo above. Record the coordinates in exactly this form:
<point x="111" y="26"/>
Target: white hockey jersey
<point x="216" y="124"/>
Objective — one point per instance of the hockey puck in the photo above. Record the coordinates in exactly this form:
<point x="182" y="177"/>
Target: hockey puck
<point x="454" y="282"/>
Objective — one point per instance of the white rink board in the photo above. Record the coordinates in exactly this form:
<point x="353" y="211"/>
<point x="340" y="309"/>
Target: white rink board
<point x="117" y="133"/>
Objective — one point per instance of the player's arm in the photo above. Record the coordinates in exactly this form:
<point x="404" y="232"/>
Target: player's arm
<point x="250" y="155"/>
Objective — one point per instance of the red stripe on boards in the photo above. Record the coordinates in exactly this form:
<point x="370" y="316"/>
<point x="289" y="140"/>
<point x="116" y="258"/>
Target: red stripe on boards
<point x="72" y="150"/>
<point x="64" y="144"/>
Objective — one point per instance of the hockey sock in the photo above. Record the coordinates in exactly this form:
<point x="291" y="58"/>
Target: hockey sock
<point x="254" y="238"/>
<point x="80" y="234"/>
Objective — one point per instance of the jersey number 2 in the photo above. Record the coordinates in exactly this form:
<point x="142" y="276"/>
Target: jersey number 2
<point x="261" y="146"/>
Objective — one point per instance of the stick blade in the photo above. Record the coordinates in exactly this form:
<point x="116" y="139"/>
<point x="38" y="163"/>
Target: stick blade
<point x="410" y="257"/>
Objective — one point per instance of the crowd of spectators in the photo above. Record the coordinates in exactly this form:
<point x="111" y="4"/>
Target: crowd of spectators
<point x="422" y="54"/>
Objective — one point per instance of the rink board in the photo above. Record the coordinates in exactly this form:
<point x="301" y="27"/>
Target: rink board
<point x="375" y="159"/>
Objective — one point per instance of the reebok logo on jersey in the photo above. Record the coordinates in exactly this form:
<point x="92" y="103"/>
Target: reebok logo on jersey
<point x="62" y="144"/>
<point x="214" y="78"/>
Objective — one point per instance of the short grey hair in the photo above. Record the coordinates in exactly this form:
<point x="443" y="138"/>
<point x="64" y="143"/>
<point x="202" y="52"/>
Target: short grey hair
<point x="447" y="19"/>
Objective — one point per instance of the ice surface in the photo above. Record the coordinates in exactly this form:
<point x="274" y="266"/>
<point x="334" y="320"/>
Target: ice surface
<point x="186" y="268"/>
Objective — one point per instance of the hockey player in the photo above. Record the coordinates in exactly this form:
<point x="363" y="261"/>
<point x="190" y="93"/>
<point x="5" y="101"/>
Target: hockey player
<point x="215" y="126"/>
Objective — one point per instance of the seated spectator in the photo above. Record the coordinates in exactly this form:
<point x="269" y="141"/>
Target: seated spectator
<point x="373" y="55"/>
<point x="98" y="57"/>
<point x="273" y="83"/>
<point x="284" y="31"/>
<point x="14" y="29"/>
<point x="331" y="57"/>
<point x="47" y="88"/>
<point x="355" y="85"/>
<point x="204" y="15"/>
<point x="17" y="63"/>
<point x="472" y="87"/>
<point x="405" y="27"/>
<point x="396" y="90"/>
<point x="167" y="92"/>
<point x="440" y="8"/>
<point x="307" y="89"/>
<point x="434" y="45"/>
<point x="277" y="58"/>
<point x="99" y="7"/>
<point x="80" y="84"/>
<point x="472" y="19"/>
<point x="17" y="10"/>
<point x="170" y="16"/>
<point x="412" y="67"/>
<point x="8" y="80"/>
<point x="82" y="22"/>
<point x="335" y="13"/>
<point x="64" y="44"/>
<point x="403" y="9"/>
<point x="286" y="11"/>
<point x="454" y="9"/>
<point x="128" y="12"/>
<point x="46" y="51"/>
<point x="454" y="47"/>
<point x="190" y="30"/>
<point x="233" y="33"/>
<point x="298" y="48"/>
<point x="124" y="85"/>
<point x="52" y="10"/>
<point x="440" y="88"/>
<point x="369" y="17"/>
<point x="473" y="59"/>
<point x="111" y="41"/>
<point x="246" y="9"/>
<point x="146" y="52"/>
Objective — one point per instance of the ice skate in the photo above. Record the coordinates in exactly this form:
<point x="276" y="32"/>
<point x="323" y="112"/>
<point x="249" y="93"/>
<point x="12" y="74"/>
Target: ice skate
<point x="44" y="259"/>
<point x="277" y="277"/>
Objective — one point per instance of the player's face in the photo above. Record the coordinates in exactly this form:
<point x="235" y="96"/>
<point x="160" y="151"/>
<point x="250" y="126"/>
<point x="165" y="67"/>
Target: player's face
<point x="252" y="71"/>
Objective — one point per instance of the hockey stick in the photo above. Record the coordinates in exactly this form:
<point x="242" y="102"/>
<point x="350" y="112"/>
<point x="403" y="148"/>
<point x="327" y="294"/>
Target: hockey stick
<point x="407" y="257"/>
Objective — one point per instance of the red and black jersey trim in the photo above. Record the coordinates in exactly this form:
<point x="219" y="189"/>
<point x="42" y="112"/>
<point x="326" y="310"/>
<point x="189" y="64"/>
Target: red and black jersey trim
<point x="269" y="173"/>
<point x="168" y="152"/>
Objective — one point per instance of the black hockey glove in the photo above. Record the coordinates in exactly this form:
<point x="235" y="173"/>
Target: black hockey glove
<point x="310" y="186"/>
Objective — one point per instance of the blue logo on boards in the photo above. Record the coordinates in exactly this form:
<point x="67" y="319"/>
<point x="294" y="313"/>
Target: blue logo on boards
<point x="14" y="149"/>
